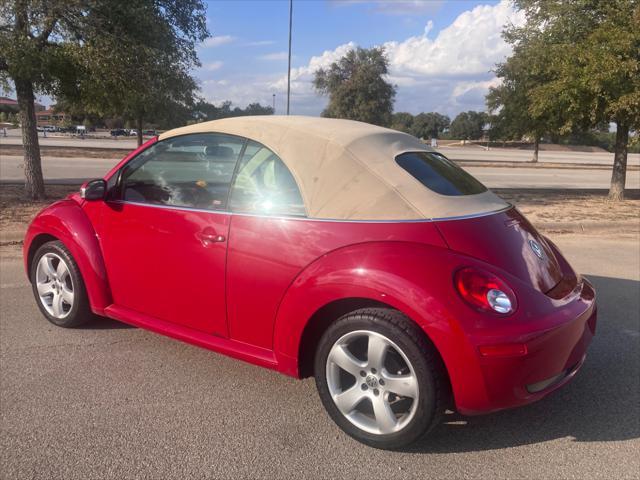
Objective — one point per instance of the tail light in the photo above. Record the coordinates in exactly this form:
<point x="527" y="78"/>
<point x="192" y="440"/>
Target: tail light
<point x="484" y="291"/>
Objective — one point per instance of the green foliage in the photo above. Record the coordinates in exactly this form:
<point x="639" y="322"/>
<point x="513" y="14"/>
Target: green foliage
<point x="576" y="65"/>
<point x="205" y="111"/>
<point x="402" y="121"/>
<point x="430" y="125"/>
<point x="356" y="87"/>
<point x="139" y="61"/>
<point x="107" y="57"/>
<point x="468" y="125"/>
<point x="515" y="117"/>
<point x="586" y="55"/>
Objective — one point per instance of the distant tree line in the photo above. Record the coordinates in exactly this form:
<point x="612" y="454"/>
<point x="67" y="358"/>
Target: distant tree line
<point x="204" y="111"/>
<point x="201" y="111"/>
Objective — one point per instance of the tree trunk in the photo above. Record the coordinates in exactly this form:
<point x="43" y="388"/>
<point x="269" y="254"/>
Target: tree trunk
<point x="139" y="125"/>
<point x="619" y="174"/>
<point x="536" y="149"/>
<point x="34" y="183"/>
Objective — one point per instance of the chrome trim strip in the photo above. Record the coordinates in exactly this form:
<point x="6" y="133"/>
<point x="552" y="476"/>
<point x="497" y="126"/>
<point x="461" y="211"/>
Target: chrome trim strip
<point x="168" y="207"/>
<point x="474" y="215"/>
<point x="280" y="217"/>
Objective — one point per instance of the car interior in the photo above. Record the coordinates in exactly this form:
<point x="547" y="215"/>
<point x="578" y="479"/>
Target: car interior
<point x="197" y="172"/>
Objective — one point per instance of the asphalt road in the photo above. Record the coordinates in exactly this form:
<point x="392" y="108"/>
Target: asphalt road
<point x="108" y="401"/>
<point x="76" y="170"/>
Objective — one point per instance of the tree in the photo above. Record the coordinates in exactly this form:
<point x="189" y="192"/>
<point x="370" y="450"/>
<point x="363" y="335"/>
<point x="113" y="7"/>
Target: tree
<point x="139" y="66"/>
<point x="357" y="88"/>
<point x="515" y="117"/>
<point x="430" y="125"/>
<point x="468" y="125"/>
<point x="402" y="121"/>
<point x="97" y="53"/>
<point x="588" y="53"/>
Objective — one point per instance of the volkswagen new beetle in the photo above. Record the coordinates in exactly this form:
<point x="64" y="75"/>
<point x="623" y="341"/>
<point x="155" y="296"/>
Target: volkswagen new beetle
<point x="326" y="248"/>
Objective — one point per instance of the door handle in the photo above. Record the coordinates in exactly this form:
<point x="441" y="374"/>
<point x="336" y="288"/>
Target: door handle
<point x="209" y="235"/>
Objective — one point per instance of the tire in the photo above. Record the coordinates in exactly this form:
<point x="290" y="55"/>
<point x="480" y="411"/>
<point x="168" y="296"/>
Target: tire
<point x="58" y="286"/>
<point x="398" y="396"/>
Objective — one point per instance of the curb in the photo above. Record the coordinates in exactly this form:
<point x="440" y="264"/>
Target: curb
<point x="589" y="227"/>
<point x="11" y="237"/>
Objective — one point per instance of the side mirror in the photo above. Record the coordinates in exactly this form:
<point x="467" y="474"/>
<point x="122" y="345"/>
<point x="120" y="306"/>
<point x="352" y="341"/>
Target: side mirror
<point x="94" y="189"/>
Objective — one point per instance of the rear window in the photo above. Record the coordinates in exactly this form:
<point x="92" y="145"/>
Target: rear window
<point x="438" y="173"/>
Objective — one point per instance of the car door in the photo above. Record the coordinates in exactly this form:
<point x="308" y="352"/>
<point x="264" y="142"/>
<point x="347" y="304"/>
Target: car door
<point x="164" y="230"/>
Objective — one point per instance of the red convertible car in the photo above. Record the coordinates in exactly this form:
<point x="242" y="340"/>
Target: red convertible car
<point x="326" y="248"/>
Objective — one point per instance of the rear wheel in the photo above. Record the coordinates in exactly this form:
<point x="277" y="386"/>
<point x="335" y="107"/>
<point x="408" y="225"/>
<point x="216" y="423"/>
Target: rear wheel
<point x="58" y="287"/>
<point x="379" y="378"/>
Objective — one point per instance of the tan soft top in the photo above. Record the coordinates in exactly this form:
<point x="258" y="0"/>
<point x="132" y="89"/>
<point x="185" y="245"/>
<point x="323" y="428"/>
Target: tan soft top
<point x="346" y="170"/>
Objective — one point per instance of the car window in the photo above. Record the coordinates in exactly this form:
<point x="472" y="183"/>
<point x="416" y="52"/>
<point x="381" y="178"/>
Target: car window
<point x="438" y="173"/>
<point x="187" y="171"/>
<point x="264" y="185"/>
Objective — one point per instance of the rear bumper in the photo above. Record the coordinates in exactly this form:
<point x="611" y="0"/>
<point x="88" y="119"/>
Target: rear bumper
<point x="547" y="360"/>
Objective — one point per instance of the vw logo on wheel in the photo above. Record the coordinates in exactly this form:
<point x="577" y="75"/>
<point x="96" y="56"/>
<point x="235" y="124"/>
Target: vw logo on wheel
<point x="537" y="249"/>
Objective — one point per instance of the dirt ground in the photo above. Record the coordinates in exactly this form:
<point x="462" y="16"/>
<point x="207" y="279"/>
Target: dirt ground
<point x="16" y="212"/>
<point x="541" y="207"/>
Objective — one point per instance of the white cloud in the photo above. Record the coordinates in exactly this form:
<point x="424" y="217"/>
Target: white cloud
<point x="278" y="56"/>
<point x="396" y="7"/>
<point x="471" y="45"/>
<point x="448" y="73"/>
<point x="213" y="66"/>
<point x="212" y="42"/>
<point x="259" y="43"/>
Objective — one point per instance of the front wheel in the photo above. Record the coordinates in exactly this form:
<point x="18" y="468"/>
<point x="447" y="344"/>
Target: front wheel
<point x="379" y="378"/>
<point x="58" y="286"/>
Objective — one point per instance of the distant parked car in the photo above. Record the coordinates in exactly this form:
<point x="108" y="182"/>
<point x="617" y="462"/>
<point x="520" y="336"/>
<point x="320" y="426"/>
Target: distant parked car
<point x="323" y="247"/>
<point x="149" y="133"/>
<point x="133" y="132"/>
<point x="119" y="132"/>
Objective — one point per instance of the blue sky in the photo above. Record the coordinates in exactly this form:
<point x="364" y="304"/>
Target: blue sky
<point x="441" y="52"/>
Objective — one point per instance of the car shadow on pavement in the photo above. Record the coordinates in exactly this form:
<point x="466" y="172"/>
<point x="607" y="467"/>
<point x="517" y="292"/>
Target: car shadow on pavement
<point x="104" y="323"/>
<point x="602" y="403"/>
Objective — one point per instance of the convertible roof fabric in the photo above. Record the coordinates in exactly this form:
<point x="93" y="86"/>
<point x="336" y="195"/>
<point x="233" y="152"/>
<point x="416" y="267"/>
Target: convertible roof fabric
<point x="346" y="170"/>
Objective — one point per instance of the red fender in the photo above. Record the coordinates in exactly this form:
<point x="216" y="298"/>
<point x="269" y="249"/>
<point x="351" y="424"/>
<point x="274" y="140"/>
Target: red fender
<point x="66" y="221"/>
<point x="406" y="276"/>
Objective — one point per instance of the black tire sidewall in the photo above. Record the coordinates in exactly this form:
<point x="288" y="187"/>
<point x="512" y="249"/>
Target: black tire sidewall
<point x="426" y="374"/>
<point x="80" y="311"/>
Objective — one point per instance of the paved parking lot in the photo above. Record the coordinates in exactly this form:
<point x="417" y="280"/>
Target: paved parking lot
<point x="109" y="401"/>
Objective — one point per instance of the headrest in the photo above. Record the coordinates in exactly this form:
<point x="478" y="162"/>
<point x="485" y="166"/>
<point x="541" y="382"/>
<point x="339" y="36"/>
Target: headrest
<point x="219" y="151"/>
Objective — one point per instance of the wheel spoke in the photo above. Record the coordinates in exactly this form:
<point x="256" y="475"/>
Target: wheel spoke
<point x="376" y="352"/>
<point x="45" y="288"/>
<point x="67" y="295"/>
<point x="47" y="266"/>
<point x="62" y="271"/>
<point x="403" y="385"/>
<point x="349" y="399"/>
<point x="345" y="360"/>
<point x="56" y="305"/>
<point x="385" y="418"/>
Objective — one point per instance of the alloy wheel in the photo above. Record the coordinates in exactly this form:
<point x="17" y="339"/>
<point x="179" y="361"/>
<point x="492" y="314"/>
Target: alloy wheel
<point x="372" y="382"/>
<point x="54" y="285"/>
